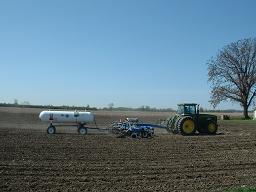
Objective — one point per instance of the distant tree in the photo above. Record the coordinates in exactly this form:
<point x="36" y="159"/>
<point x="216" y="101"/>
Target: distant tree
<point x="233" y="74"/>
<point x="26" y="103"/>
<point x="144" y="108"/>
<point x="16" y="102"/>
<point x="201" y="109"/>
<point x="111" y="105"/>
<point x="147" y="108"/>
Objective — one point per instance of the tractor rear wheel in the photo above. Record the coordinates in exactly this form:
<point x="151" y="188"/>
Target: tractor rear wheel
<point x="212" y="128"/>
<point x="171" y="126"/>
<point x="186" y="126"/>
<point x="175" y="128"/>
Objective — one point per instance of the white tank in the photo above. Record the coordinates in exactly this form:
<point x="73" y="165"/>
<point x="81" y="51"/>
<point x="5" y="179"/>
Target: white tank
<point x="66" y="117"/>
<point x="254" y="115"/>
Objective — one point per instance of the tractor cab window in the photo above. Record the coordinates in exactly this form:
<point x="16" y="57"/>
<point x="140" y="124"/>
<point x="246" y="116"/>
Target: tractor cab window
<point x="190" y="109"/>
<point x="180" y="109"/>
<point x="186" y="109"/>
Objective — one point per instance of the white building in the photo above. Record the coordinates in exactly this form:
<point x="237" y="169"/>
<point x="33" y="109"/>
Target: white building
<point x="254" y="115"/>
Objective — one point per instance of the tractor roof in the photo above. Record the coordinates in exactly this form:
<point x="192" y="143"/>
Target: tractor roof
<point x="193" y="104"/>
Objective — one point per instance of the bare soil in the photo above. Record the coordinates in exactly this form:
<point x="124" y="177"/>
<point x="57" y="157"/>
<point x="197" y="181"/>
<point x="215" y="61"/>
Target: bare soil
<point x="31" y="160"/>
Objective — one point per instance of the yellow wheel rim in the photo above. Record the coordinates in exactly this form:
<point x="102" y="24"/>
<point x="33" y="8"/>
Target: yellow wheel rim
<point x="188" y="126"/>
<point x="211" y="127"/>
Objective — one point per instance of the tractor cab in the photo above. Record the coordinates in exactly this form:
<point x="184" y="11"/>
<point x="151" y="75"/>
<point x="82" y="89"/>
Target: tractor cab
<point x="188" y="109"/>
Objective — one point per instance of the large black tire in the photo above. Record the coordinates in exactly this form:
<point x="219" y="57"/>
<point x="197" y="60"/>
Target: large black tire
<point x="174" y="124"/>
<point x="212" y="128"/>
<point x="175" y="128"/>
<point x="186" y="126"/>
<point x="51" y="129"/>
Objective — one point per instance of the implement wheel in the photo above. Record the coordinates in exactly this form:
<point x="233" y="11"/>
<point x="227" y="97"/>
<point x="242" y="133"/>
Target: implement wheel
<point x="186" y="126"/>
<point x="134" y="135"/>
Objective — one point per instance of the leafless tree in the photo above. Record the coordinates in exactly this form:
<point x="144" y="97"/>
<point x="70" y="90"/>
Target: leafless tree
<point x="233" y="74"/>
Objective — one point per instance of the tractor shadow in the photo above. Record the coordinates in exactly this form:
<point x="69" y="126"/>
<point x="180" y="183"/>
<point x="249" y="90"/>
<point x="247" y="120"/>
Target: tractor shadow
<point x="205" y="134"/>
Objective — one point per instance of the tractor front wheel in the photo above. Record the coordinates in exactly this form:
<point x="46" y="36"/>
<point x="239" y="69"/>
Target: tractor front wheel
<point x="186" y="126"/>
<point x="212" y="128"/>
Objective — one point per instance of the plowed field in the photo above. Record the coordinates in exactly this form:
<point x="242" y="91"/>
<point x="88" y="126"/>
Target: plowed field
<point x="31" y="160"/>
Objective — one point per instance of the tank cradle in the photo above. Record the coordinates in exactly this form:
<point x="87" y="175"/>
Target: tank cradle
<point x="82" y="130"/>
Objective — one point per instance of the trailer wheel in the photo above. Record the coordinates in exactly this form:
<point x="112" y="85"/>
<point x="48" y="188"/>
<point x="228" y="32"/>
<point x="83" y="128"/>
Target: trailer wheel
<point x="51" y="129"/>
<point x="134" y="135"/>
<point x="82" y="130"/>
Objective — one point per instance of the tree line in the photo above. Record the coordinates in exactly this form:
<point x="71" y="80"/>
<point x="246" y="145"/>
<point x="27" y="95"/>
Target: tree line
<point x="89" y="108"/>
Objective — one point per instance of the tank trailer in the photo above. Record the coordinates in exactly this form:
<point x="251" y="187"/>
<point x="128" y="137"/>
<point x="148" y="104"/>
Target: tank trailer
<point x="67" y="118"/>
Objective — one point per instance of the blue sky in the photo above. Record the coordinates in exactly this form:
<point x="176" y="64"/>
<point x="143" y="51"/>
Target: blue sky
<point x="129" y="52"/>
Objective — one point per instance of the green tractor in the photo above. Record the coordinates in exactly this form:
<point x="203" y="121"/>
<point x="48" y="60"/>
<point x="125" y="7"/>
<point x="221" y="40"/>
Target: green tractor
<point x="188" y="120"/>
